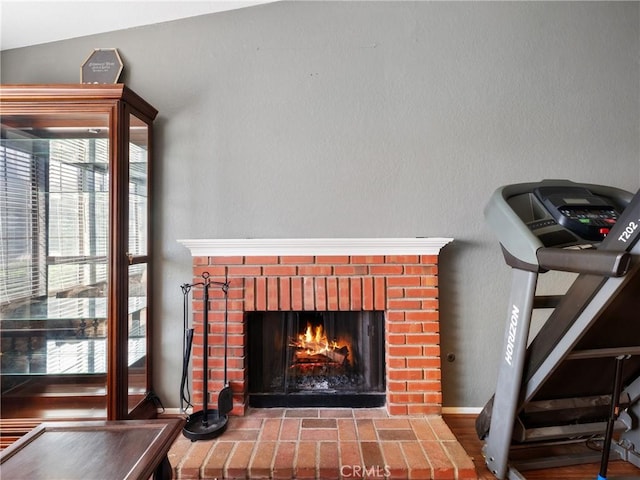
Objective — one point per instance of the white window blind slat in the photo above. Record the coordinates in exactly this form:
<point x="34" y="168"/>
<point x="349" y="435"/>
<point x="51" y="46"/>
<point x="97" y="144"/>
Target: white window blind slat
<point x="54" y="214"/>
<point x="19" y="225"/>
<point x="78" y="212"/>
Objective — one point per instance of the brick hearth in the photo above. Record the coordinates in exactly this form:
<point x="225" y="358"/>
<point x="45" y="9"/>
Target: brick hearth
<point x="325" y="444"/>
<point x="396" y="276"/>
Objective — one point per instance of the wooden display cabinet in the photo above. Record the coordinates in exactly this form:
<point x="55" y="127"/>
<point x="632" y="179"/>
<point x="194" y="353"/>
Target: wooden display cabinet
<point x="75" y="313"/>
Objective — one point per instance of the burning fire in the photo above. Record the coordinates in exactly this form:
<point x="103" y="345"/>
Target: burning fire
<point x="313" y="346"/>
<point x="315" y="341"/>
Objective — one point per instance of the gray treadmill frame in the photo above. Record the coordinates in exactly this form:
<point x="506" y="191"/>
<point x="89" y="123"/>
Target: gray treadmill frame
<point x="511" y="395"/>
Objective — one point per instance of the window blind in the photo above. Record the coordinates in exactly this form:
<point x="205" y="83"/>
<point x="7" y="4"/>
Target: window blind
<point x="137" y="200"/>
<point x="54" y="216"/>
<point x="78" y="213"/>
<point x="21" y="268"/>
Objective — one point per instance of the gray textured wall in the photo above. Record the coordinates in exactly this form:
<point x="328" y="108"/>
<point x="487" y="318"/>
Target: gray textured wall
<point x="372" y="119"/>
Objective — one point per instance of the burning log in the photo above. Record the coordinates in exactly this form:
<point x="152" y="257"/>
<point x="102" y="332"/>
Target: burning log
<point x="313" y="347"/>
<point x="302" y="356"/>
<point x="338" y="356"/>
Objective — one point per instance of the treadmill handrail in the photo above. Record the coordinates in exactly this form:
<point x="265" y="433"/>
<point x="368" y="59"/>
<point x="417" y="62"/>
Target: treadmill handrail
<point x="597" y="262"/>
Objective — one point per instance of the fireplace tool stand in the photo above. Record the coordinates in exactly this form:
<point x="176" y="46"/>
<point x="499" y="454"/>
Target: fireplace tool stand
<point x="206" y="423"/>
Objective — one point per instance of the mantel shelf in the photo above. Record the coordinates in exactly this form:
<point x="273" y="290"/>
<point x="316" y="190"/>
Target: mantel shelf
<point x="315" y="246"/>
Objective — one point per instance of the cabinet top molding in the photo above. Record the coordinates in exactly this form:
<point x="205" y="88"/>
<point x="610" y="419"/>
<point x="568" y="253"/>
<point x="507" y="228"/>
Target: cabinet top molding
<point x="32" y="93"/>
<point x="315" y="246"/>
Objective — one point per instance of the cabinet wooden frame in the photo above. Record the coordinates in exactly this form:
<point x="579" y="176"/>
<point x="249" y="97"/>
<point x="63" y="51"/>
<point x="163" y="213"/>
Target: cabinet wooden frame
<point x="52" y="105"/>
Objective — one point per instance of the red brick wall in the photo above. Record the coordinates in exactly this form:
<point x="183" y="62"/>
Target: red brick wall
<point x="405" y="287"/>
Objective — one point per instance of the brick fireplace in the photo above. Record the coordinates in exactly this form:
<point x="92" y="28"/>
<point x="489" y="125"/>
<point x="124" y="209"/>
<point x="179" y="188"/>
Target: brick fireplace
<point x="396" y="276"/>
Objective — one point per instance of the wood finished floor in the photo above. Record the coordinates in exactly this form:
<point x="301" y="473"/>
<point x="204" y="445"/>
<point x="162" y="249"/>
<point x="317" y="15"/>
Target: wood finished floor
<point x="463" y="427"/>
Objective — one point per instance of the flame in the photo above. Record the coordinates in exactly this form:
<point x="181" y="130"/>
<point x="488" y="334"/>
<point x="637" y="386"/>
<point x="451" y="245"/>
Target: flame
<point x="315" y="341"/>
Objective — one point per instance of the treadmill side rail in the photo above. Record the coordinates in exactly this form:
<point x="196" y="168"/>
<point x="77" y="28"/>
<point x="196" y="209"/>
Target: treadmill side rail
<point x="508" y="387"/>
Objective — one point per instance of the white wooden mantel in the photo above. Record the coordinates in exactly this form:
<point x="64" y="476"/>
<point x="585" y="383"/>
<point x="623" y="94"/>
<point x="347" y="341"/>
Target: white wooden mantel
<point x="213" y="247"/>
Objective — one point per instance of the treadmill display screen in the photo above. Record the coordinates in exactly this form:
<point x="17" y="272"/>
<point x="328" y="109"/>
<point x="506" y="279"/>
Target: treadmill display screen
<point x="579" y="210"/>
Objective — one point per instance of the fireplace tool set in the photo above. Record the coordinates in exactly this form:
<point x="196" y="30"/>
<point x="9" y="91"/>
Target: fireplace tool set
<point x="206" y="423"/>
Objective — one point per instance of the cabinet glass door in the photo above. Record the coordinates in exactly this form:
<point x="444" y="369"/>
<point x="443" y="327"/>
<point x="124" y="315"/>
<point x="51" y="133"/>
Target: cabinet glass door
<point x="54" y="247"/>
<point x="138" y="238"/>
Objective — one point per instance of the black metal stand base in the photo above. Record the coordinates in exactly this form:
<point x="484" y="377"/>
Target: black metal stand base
<point x="197" y="429"/>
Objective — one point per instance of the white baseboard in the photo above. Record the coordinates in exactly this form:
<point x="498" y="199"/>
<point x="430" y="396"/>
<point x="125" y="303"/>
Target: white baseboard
<point x="173" y="411"/>
<point x="461" y="410"/>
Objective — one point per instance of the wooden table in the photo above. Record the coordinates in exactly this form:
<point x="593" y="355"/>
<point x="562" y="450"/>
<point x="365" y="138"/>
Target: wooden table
<point x="109" y="450"/>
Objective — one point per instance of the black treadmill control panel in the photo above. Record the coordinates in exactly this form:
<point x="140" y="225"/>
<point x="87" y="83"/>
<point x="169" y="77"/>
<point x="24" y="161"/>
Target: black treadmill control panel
<point x="579" y="210"/>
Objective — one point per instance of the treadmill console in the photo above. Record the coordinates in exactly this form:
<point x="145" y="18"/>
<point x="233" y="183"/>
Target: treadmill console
<point x="579" y="210"/>
<point x="553" y="213"/>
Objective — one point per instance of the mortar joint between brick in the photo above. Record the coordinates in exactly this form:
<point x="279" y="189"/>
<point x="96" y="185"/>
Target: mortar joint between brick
<point x="203" y="466"/>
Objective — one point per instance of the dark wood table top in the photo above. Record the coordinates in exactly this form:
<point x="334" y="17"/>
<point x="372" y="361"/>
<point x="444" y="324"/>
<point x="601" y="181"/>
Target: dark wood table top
<point x="110" y="450"/>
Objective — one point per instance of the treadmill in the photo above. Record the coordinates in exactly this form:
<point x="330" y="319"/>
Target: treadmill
<point x="571" y="394"/>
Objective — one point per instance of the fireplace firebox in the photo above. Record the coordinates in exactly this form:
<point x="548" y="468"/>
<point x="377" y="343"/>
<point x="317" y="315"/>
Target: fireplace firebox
<point x="316" y="359"/>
